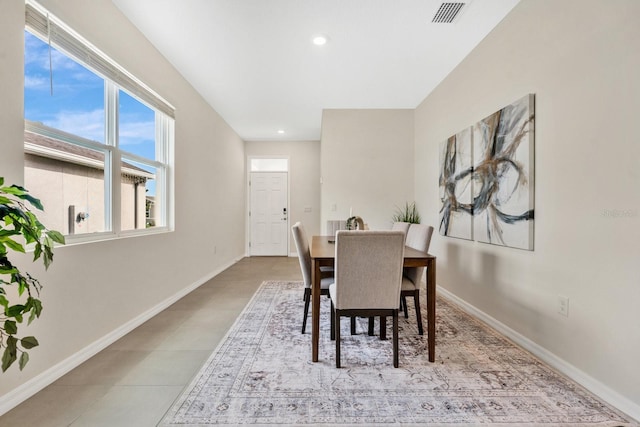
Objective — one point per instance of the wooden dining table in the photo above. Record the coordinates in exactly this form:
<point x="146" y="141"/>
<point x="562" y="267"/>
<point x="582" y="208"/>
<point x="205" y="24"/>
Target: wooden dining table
<point x="323" y="252"/>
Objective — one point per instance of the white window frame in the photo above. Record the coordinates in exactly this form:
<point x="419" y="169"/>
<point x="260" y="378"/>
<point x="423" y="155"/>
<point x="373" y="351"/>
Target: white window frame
<point x="41" y="23"/>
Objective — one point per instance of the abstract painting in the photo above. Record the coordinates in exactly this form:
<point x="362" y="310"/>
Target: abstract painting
<point x="456" y="168"/>
<point x="497" y="190"/>
<point x="503" y="176"/>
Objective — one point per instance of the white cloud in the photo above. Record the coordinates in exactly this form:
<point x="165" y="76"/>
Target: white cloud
<point x="36" y="82"/>
<point x="87" y="124"/>
<point x="136" y="132"/>
<point x="90" y="125"/>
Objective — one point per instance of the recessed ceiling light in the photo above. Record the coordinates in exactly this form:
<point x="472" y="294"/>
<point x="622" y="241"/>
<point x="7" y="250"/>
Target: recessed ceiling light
<point x="320" y="39"/>
<point x="280" y="131"/>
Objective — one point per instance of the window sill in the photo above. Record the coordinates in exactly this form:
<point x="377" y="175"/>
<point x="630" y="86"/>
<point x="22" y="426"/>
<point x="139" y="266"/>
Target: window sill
<point x="80" y="239"/>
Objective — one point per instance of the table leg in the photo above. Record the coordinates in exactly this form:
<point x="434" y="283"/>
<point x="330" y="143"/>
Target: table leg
<point x="315" y="309"/>
<point x="431" y="308"/>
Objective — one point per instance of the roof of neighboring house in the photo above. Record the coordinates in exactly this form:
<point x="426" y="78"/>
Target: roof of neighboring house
<point x="44" y="146"/>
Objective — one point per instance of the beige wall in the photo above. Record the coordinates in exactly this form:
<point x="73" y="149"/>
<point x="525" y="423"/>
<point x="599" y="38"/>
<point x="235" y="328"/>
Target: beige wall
<point x="367" y="164"/>
<point x="94" y="289"/>
<point x="12" y="90"/>
<point x="304" y="178"/>
<point x="581" y="60"/>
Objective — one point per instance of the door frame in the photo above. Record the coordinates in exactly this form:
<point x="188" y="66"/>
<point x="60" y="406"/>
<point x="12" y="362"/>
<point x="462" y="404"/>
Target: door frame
<point x="247" y="223"/>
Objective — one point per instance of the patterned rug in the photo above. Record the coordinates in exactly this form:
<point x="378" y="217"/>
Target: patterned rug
<point x="262" y="374"/>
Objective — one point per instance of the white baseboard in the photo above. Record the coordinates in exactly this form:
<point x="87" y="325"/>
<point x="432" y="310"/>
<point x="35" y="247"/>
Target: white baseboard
<point x="594" y="386"/>
<point x="37" y="383"/>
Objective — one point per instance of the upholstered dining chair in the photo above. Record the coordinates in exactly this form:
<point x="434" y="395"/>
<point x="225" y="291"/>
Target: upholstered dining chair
<point x="368" y="277"/>
<point x="402" y="226"/>
<point x="304" y="257"/>
<point x="396" y="226"/>
<point x="418" y="237"/>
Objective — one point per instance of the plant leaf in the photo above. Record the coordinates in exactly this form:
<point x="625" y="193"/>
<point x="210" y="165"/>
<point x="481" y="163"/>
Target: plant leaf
<point x="10" y="353"/>
<point x="7" y="270"/>
<point x="10" y="327"/>
<point x="12" y="244"/>
<point x="15" y="190"/>
<point x="35" y="202"/>
<point x="35" y="308"/>
<point x="14" y="310"/>
<point x="56" y="236"/>
<point x="37" y="251"/>
<point x="29" y="342"/>
<point x="24" y="359"/>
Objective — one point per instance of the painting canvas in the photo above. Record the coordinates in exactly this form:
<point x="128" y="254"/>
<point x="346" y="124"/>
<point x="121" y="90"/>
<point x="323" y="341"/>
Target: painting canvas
<point x="486" y="179"/>
<point x="456" y="195"/>
<point x="503" y="176"/>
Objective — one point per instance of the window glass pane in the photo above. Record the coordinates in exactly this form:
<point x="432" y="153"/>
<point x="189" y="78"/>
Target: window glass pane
<point x="70" y="140"/>
<point x="269" y="165"/>
<point x="137" y="195"/>
<point x="136" y="127"/>
<point x="69" y="181"/>
<point x="77" y="103"/>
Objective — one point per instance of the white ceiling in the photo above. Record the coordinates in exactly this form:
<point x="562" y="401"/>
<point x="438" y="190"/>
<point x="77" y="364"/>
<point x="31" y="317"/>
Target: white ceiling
<point x="254" y="62"/>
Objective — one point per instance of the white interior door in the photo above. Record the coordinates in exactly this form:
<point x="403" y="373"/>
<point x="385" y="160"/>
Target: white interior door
<point x="269" y="219"/>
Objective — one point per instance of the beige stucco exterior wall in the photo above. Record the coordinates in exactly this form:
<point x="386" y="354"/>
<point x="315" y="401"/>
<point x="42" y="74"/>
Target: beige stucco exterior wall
<point x="61" y="184"/>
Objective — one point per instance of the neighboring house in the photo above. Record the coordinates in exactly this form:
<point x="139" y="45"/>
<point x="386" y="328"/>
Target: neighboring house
<point x="69" y="180"/>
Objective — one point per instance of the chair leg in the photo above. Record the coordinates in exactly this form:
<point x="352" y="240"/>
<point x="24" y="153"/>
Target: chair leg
<point x="416" y="298"/>
<point x="370" y="331"/>
<point x="353" y="325"/>
<point x="395" y="339"/>
<point x="383" y="327"/>
<point x="404" y="306"/>
<point x="337" y="321"/>
<point x="307" y="298"/>
<point x="332" y="319"/>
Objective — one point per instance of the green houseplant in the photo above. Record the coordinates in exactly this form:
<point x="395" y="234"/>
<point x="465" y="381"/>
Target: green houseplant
<point x="407" y="214"/>
<point x="19" y="291"/>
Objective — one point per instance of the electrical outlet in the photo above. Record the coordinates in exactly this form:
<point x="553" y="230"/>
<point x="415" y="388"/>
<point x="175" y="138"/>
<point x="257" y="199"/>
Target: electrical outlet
<point x="563" y="305"/>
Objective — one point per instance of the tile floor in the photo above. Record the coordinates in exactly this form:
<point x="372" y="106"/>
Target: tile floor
<point x="134" y="381"/>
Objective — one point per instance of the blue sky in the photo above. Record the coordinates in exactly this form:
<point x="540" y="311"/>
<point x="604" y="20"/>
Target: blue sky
<point x="77" y="103"/>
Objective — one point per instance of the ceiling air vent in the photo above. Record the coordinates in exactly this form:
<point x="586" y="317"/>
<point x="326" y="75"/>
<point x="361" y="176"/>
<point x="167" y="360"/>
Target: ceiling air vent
<point x="447" y="13"/>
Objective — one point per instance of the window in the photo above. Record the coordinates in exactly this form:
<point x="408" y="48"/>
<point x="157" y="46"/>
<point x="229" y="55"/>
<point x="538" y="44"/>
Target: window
<point x="265" y="164"/>
<point x="98" y="142"/>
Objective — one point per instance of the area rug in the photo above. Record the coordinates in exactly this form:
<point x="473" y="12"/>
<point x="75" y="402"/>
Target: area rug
<point x="262" y="374"/>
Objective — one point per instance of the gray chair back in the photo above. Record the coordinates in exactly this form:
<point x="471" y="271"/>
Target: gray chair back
<point x="401" y="226"/>
<point x="368" y="269"/>
<point x="304" y="256"/>
<point x="418" y="237"/>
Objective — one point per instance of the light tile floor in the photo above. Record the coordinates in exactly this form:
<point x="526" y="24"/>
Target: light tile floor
<point x="134" y="381"/>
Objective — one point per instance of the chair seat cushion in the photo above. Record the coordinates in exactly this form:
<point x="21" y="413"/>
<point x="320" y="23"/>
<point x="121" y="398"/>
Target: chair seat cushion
<point x="325" y="282"/>
<point x="332" y="291"/>
<point x="407" y="284"/>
